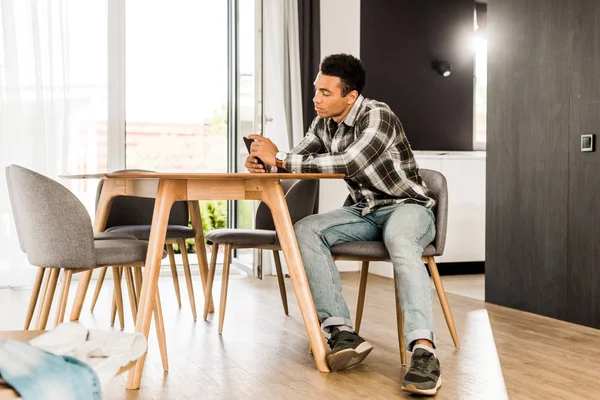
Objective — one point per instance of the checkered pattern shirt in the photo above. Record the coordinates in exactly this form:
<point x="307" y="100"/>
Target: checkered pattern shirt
<point x="370" y="148"/>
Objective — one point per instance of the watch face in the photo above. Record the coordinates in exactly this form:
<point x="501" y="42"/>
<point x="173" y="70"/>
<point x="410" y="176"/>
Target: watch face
<point x="281" y="156"/>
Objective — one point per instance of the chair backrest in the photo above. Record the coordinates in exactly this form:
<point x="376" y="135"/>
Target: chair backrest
<point x="436" y="182"/>
<point x="132" y="210"/>
<point x="300" y="195"/>
<point x="53" y="225"/>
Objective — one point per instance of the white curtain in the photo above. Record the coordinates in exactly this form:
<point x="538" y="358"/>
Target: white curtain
<point x="52" y="101"/>
<point x="282" y="85"/>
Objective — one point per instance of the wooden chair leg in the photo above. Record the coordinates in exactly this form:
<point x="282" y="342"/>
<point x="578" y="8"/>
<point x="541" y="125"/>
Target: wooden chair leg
<point x="60" y="314"/>
<point x="281" y="281"/>
<point x="160" y="331"/>
<point x="34" y="296"/>
<point x="131" y="291"/>
<point x="113" y="309"/>
<point x="99" y="283"/>
<point x="362" y="288"/>
<point x="118" y="295"/>
<point x="224" y="286"/>
<point x="188" y="277"/>
<point x="48" y="297"/>
<point x="82" y="287"/>
<point x="435" y="275"/>
<point x="400" y="324"/>
<point x="42" y="296"/>
<point x="137" y="272"/>
<point x="210" y="280"/>
<point x="174" y="273"/>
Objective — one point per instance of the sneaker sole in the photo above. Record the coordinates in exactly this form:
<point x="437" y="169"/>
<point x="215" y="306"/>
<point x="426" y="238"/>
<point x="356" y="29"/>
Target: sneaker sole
<point x="348" y="358"/>
<point x="428" y="392"/>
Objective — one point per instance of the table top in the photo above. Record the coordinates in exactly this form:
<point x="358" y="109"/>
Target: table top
<point x="202" y="175"/>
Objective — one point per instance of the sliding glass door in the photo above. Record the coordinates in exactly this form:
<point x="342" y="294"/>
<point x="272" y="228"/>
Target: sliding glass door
<point x="248" y="55"/>
<point x="192" y="90"/>
<point x="176" y="85"/>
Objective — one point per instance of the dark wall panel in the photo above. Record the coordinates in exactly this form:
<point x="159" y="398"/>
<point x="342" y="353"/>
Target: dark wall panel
<point x="527" y="155"/>
<point x="398" y="42"/>
<point x="584" y="168"/>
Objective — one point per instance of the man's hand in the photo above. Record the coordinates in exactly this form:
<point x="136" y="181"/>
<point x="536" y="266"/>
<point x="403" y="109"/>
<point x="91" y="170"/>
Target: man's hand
<point x="253" y="166"/>
<point x="262" y="148"/>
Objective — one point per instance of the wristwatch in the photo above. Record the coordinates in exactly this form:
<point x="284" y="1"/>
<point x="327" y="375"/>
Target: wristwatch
<point x="280" y="158"/>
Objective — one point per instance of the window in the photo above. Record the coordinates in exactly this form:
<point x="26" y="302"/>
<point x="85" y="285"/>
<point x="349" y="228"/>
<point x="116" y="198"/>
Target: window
<point x="480" y="79"/>
<point x="176" y="85"/>
<point x="178" y="82"/>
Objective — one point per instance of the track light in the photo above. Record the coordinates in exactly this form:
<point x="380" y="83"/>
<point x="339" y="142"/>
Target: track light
<point x="442" y="67"/>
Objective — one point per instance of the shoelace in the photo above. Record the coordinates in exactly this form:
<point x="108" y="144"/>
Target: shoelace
<point x="421" y="364"/>
<point x="341" y="337"/>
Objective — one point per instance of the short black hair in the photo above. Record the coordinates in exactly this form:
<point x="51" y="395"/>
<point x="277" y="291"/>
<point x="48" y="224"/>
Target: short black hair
<point x="346" y="67"/>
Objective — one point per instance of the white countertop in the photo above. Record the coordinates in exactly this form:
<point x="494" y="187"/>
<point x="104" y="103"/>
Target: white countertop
<point x="437" y="154"/>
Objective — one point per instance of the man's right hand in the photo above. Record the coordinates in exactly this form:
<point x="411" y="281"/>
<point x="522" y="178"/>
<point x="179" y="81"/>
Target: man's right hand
<point x="252" y="165"/>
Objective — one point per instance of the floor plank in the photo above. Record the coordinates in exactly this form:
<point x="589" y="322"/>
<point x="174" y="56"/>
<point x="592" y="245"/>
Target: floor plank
<point x="263" y="354"/>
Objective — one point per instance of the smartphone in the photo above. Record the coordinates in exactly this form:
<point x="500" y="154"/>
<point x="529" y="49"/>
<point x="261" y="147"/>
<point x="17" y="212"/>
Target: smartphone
<point x="248" y="146"/>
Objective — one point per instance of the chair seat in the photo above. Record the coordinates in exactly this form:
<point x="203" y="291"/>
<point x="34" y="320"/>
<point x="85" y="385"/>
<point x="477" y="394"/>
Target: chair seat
<point x="119" y="251"/>
<point x="142" y="232"/>
<point x="256" y="237"/>
<point x="112" y="235"/>
<point x="370" y="249"/>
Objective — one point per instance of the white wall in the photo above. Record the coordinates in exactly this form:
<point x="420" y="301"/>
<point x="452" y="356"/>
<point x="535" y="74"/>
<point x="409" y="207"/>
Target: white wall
<point x="340" y="27"/>
<point x="340" y="33"/>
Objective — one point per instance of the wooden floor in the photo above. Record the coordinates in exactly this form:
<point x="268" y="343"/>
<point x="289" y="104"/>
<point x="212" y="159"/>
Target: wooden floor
<point x="264" y="355"/>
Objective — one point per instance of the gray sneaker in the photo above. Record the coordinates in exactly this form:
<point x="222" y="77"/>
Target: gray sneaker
<point x="347" y="350"/>
<point x="424" y="375"/>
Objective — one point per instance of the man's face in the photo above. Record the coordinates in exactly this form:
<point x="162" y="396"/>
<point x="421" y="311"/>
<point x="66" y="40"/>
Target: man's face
<point x="328" y="100"/>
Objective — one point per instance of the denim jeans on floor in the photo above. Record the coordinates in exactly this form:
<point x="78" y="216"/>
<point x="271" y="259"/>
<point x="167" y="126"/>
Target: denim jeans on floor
<point x="405" y="229"/>
<point x="39" y="375"/>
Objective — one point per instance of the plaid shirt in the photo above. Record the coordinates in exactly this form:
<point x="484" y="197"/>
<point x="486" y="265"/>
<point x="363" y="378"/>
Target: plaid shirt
<point x="370" y="148"/>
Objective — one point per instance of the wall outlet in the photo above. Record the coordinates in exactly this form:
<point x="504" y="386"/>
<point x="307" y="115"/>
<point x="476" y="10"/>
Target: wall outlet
<point x="588" y="142"/>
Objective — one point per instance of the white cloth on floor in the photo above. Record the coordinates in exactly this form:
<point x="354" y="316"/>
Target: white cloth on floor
<point x="104" y="352"/>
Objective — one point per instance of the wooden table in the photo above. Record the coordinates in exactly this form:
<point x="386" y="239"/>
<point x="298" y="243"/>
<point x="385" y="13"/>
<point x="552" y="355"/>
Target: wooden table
<point x="170" y="187"/>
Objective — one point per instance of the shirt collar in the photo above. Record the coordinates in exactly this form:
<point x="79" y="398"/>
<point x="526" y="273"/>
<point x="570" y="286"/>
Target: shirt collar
<point x="350" y="118"/>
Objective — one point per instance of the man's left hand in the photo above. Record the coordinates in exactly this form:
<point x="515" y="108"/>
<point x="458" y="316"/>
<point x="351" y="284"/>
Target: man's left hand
<point x="264" y="149"/>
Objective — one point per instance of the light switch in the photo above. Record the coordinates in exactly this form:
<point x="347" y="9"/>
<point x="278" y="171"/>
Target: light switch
<point x="587" y="142"/>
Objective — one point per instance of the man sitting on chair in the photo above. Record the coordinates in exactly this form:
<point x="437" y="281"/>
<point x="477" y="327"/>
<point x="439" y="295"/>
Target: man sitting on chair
<point x="364" y="140"/>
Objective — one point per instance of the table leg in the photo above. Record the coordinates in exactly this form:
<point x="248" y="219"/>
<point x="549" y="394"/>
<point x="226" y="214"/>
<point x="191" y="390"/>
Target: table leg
<point x="200" y="248"/>
<point x="272" y="195"/>
<point x="168" y="192"/>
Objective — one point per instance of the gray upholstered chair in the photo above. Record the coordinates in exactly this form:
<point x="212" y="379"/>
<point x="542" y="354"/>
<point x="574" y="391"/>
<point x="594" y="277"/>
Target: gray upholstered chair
<point x="40" y="275"/>
<point x="375" y="251"/>
<point x="55" y="231"/>
<point x="301" y="198"/>
<point x="133" y="216"/>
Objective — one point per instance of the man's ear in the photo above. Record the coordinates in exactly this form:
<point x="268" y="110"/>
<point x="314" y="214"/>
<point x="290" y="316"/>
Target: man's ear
<point x="352" y="96"/>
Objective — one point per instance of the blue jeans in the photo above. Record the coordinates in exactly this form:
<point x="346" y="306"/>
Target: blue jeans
<point x="39" y="375"/>
<point x="404" y="228"/>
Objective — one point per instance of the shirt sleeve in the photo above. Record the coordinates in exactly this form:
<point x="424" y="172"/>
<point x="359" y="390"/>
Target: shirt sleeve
<point x="310" y="144"/>
<point x="376" y="131"/>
